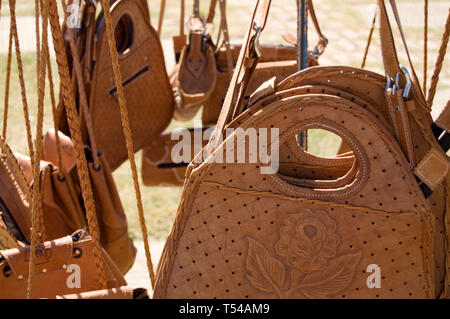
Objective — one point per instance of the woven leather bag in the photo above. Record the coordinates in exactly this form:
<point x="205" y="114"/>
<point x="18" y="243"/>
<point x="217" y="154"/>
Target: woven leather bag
<point x="158" y="167"/>
<point x="239" y="233"/>
<point x="54" y="272"/>
<point x="147" y="89"/>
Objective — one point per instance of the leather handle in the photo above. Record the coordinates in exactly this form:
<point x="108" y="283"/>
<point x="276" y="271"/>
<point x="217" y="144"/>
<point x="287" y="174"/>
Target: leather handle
<point x="388" y="49"/>
<point x="242" y="71"/>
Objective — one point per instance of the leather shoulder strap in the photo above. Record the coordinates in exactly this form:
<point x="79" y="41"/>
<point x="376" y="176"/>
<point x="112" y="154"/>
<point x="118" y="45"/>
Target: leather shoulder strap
<point x="247" y="60"/>
<point x="389" y="52"/>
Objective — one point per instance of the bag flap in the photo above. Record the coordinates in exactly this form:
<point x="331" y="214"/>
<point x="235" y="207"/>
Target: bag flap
<point x="50" y="256"/>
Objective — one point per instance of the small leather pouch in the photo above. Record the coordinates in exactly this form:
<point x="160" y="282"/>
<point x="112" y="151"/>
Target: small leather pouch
<point x="63" y="266"/>
<point x="196" y="76"/>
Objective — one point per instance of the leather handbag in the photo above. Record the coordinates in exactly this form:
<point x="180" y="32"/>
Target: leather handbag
<point x="63" y="266"/>
<point x="377" y="230"/>
<point x="147" y="89"/>
<point x="194" y="77"/>
<point x="61" y="201"/>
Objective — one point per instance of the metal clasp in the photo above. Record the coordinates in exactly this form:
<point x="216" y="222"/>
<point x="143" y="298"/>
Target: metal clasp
<point x="408" y="84"/>
<point x="320" y="47"/>
<point x="389" y="82"/>
<point x="257" y="29"/>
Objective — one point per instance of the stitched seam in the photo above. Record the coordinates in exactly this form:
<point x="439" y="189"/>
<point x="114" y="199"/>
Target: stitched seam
<point x="406" y="129"/>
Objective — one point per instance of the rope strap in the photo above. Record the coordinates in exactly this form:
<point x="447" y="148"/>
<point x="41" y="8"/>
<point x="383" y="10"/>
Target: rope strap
<point x="127" y="133"/>
<point x="75" y="131"/>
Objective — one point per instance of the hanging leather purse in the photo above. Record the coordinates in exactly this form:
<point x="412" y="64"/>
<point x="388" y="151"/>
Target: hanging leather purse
<point x="147" y="89"/>
<point x="63" y="266"/>
<point x="194" y="77"/>
<point x="61" y="202"/>
<point x="377" y="231"/>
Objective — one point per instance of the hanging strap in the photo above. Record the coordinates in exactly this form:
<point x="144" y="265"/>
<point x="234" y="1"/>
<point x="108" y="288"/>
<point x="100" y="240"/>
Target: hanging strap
<point x="179" y="41"/>
<point x="425" y="45"/>
<point x="59" y="160"/>
<point x="38" y="37"/>
<point x="441" y="127"/>
<point x="226" y="36"/>
<point x="7" y="82"/>
<point x="127" y="133"/>
<point x="389" y="52"/>
<point x="196" y="9"/>
<point x="323" y="41"/>
<point x="439" y="62"/>
<point x="248" y="58"/>
<point x="369" y="40"/>
<point x="212" y="11"/>
<point x="75" y="131"/>
<point x="12" y="8"/>
<point x="36" y="210"/>
<point x="161" y="16"/>
<point x="82" y="95"/>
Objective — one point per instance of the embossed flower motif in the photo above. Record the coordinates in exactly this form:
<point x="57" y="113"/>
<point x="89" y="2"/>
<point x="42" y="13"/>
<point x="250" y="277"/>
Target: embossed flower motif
<point x="307" y="239"/>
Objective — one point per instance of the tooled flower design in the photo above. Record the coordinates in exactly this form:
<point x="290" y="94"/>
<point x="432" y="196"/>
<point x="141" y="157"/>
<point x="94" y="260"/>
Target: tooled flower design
<point x="307" y="239"/>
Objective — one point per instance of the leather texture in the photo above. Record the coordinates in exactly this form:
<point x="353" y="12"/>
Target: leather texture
<point x="63" y="210"/>
<point x="148" y="93"/>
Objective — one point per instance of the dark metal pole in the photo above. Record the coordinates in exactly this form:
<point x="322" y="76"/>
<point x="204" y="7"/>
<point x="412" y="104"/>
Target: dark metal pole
<point x="302" y="41"/>
<point x="302" y="47"/>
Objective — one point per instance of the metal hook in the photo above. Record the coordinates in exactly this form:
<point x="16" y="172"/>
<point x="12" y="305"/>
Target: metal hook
<point x="257" y="29"/>
<point x="408" y="84"/>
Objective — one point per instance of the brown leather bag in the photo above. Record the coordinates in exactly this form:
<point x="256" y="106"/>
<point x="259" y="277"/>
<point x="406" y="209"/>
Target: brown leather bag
<point x="147" y="89"/>
<point x="61" y="201"/>
<point x="196" y="74"/>
<point x="63" y="266"/>
<point x="378" y="230"/>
